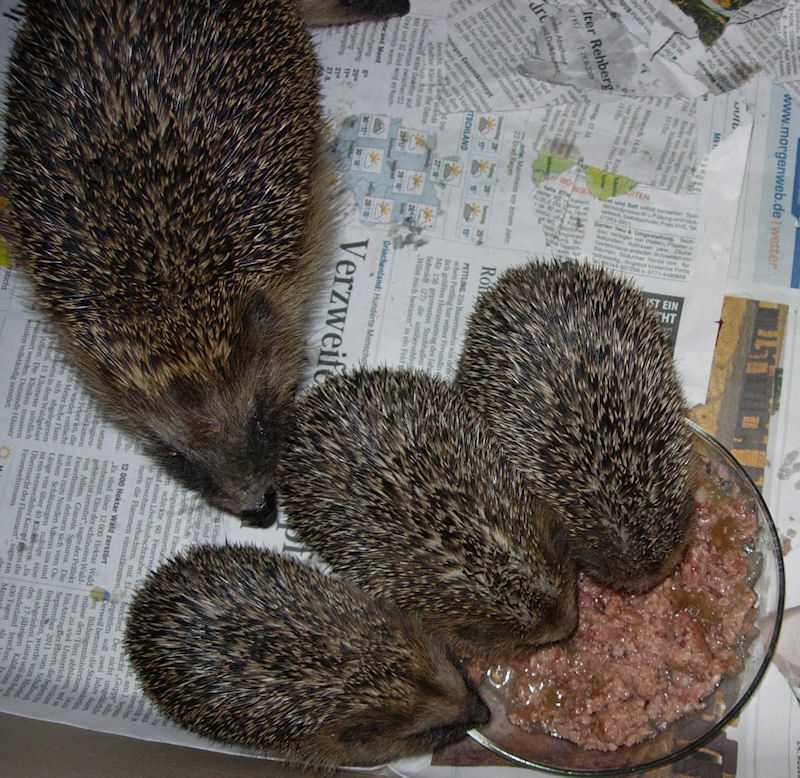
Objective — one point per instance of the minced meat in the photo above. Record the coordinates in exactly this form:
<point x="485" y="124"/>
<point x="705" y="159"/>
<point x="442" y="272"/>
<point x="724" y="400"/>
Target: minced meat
<point x="639" y="661"/>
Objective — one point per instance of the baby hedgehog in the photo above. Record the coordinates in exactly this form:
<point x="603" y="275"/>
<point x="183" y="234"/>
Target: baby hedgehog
<point x="169" y="200"/>
<point x="572" y="369"/>
<point x="391" y="480"/>
<point x="250" y="648"/>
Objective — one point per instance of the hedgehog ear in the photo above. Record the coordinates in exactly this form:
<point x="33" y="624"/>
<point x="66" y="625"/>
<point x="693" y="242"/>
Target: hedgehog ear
<point x="391" y="607"/>
<point x="258" y="315"/>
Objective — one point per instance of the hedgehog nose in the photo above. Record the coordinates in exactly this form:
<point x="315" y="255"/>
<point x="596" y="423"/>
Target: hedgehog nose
<point x="263" y="514"/>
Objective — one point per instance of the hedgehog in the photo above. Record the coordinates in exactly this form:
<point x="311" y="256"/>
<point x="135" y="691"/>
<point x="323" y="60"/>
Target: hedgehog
<point x="170" y="201"/>
<point x="395" y="486"/>
<point x="572" y="370"/>
<point x="247" y="647"/>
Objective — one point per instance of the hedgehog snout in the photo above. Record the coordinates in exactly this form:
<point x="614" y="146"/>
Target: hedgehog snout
<point x="237" y="490"/>
<point x="264" y="513"/>
<point x="473" y="713"/>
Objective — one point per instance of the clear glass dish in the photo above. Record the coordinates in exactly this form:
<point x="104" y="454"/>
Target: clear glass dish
<point x="559" y="756"/>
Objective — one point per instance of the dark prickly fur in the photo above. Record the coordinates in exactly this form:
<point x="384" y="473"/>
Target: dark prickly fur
<point x="170" y="202"/>
<point x="396" y="486"/>
<point x="572" y="369"/>
<point x="250" y="648"/>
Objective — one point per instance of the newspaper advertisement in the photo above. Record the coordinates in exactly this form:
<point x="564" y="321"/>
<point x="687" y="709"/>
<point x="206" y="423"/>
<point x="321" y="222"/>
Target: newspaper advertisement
<point x="471" y="137"/>
<point x="767" y="249"/>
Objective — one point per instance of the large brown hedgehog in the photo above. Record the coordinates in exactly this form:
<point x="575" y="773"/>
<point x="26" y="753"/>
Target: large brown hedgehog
<point x="573" y="371"/>
<point x="250" y="648"/>
<point x="397" y="487"/>
<point x="170" y="202"/>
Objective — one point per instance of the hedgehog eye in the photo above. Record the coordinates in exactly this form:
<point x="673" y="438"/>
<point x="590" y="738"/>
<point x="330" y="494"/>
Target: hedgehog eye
<point x="258" y="424"/>
<point x="190" y="472"/>
<point x="171" y="453"/>
<point x="167" y="452"/>
<point x="176" y="462"/>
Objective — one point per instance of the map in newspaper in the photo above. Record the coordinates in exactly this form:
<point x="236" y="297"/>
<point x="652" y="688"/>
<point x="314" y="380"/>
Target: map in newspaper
<point x="399" y="176"/>
<point x="600" y="183"/>
<point x="390" y="170"/>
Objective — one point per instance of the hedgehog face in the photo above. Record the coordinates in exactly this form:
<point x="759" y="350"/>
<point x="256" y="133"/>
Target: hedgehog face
<point x="210" y="467"/>
<point x="219" y="431"/>
<point x="434" y="706"/>
<point x="225" y="451"/>
<point x="516" y="617"/>
<point x="632" y="544"/>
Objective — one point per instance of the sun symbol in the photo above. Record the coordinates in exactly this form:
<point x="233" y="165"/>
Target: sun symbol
<point x="416" y="180"/>
<point x="476" y="209"/>
<point x="384" y="207"/>
<point x="491" y="123"/>
<point x="427" y="214"/>
<point x="456" y="170"/>
<point x="483" y="166"/>
<point x="420" y="139"/>
<point x="374" y="157"/>
<point x="5" y="452"/>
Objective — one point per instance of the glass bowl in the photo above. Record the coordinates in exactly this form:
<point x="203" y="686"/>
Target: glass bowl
<point x="556" y="755"/>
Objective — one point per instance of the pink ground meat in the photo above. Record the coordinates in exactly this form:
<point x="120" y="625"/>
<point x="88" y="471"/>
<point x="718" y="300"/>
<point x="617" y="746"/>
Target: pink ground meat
<point x="639" y="661"/>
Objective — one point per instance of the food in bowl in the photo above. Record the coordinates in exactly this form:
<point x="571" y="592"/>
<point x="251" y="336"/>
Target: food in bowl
<point x="638" y="662"/>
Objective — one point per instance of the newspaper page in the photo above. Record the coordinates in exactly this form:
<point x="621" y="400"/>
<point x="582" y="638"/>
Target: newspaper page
<point x="451" y="173"/>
